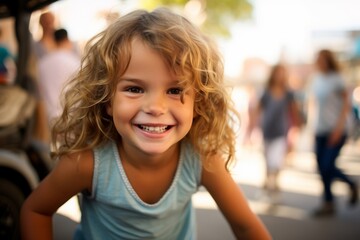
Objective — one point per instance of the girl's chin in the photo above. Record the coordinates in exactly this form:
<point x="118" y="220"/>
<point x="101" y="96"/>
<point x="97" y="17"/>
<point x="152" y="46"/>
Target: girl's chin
<point x="155" y="149"/>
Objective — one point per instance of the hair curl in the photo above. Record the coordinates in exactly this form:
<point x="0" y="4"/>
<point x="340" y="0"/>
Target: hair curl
<point x="85" y="124"/>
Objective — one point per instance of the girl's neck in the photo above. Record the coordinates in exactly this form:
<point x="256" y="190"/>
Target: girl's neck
<point x="277" y="91"/>
<point x="140" y="160"/>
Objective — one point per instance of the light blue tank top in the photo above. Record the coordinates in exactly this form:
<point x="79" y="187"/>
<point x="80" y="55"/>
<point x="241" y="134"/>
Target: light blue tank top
<point x="115" y="211"/>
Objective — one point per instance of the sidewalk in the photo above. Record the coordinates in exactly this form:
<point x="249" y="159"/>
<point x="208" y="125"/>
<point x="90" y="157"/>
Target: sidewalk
<point x="291" y="218"/>
<point x="288" y="220"/>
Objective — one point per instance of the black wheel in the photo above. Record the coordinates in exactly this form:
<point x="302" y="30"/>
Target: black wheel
<point x="11" y="199"/>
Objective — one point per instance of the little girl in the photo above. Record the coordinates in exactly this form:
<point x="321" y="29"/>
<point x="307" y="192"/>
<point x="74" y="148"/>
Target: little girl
<point x="146" y="121"/>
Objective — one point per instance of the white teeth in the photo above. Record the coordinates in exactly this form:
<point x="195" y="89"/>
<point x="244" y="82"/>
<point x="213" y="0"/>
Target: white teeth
<point x="153" y="129"/>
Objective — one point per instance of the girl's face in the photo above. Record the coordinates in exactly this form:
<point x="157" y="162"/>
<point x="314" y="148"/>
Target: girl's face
<point x="321" y="63"/>
<point x="280" y="77"/>
<point x="147" y="109"/>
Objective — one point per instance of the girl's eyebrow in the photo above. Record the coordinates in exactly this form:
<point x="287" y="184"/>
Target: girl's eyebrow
<point x="132" y="80"/>
<point x="141" y="81"/>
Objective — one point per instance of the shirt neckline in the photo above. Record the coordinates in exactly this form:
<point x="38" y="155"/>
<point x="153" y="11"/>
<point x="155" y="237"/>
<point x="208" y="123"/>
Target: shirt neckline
<point x="131" y="189"/>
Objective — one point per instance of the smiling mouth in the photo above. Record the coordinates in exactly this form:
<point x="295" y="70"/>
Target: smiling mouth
<point x="153" y="129"/>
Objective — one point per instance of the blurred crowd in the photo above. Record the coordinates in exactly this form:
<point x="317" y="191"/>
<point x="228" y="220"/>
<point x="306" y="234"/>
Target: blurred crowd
<point x="326" y="107"/>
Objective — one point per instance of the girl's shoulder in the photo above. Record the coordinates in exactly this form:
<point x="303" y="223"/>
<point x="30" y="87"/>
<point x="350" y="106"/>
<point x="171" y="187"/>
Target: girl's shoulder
<point x="76" y="168"/>
<point x="189" y="155"/>
<point x="82" y="161"/>
<point x="264" y="96"/>
<point x="191" y="160"/>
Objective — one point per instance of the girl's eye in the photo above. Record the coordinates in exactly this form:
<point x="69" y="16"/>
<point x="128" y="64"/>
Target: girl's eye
<point x="134" y="90"/>
<point x="175" y="91"/>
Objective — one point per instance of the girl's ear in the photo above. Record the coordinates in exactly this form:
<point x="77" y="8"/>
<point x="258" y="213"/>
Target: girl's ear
<point x="109" y="109"/>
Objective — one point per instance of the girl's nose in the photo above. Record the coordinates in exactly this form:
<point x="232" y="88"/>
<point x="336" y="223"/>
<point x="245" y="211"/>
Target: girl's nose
<point x="155" y="104"/>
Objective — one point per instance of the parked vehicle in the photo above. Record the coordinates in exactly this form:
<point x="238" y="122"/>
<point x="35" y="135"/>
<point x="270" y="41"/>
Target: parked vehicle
<point x="23" y="161"/>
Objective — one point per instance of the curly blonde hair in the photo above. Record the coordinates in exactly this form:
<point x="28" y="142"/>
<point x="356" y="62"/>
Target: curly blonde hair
<point x="85" y="124"/>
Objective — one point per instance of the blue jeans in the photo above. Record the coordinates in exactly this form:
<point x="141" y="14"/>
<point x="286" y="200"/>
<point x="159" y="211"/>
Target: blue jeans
<point x="326" y="159"/>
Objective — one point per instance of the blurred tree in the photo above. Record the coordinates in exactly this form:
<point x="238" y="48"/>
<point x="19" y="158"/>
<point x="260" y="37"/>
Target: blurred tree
<point x="213" y="16"/>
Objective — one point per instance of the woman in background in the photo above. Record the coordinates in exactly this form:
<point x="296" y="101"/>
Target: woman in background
<point x="331" y="111"/>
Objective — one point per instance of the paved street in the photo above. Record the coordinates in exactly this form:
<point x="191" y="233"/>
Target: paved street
<point x="288" y="219"/>
<point x="291" y="217"/>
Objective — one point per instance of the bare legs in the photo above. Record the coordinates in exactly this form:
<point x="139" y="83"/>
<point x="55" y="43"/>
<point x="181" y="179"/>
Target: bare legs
<point x="274" y="152"/>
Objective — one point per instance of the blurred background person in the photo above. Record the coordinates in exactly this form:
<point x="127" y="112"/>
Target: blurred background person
<point x="55" y="69"/>
<point x="41" y="48"/>
<point x="331" y="108"/>
<point x="7" y="63"/>
<point x="47" y="42"/>
<point x="278" y="111"/>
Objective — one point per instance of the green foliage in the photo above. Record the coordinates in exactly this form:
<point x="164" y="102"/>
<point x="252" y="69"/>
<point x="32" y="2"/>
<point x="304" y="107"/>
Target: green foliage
<point x="219" y="13"/>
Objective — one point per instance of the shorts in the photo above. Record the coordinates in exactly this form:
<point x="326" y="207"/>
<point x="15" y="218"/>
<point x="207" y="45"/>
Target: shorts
<point x="275" y="151"/>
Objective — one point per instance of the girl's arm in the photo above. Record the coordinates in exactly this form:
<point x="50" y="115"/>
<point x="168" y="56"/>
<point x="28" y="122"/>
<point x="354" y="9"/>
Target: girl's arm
<point x="71" y="175"/>
<point x="232" y="203"/>
<point x="295" y="114"/>
<point x="254" y="115"/>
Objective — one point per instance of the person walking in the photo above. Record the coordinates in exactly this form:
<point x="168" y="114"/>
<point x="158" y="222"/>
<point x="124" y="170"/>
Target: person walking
<point x="331" y="112"/>
<point x="277" y="111"/>
<point x="55" y="68"/>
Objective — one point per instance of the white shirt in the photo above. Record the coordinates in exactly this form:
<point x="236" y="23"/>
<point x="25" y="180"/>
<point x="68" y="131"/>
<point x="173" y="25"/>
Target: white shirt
<point x="327" y="90"/>
<point x="55" y="69"/>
